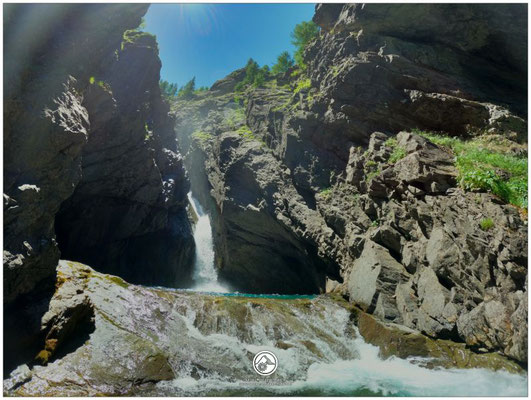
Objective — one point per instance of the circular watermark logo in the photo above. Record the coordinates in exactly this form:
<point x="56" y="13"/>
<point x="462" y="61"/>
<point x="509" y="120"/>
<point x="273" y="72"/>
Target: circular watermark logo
<point x="265" y="363"/>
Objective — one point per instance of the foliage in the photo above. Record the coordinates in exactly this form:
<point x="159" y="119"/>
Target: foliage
<point x="397" y="154"/>
<point x="168" y="89"/>
<point x="398" y="151"/>
<point x="254" y="75"/>
<point x="135" y="35"/>
<point x="202" y="137"/>
<point x="335" y="70"/>
<point x="303" y="34"/>
<point x="302" y="84"/>
<point x="201" y="90"/>
<point x="234" y="118"/>
<point x="326" y="192"/>
<point x="149" y="134"/>
<point x="187" y="90"/>
<point x="296" y="72"/>
<point x="486" y="224"/>
<point x="486" y="166"/>
<point x="369" y="176"/>
<point x="246" y="133"/>
<point x="284" y="63"/>
<point x="104" y="85"/>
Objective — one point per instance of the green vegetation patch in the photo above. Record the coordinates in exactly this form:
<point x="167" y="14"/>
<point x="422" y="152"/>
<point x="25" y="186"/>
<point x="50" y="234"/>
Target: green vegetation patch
<point x="132" y="36"/>
<point x="202" y="137"/>
<point x="246" y="133"/>
<point x="486" y="165"/>
<point x="104" y="85"/>
<point x="326" y="192"/>
<point x="303" y="84"/>
<point x="486" y="224"/>
<point x="398" y="151"/>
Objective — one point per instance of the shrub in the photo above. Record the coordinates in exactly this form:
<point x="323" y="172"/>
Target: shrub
<point x="302" y="84"/>
<point x="202" y="137"/>
<point x="326" y="192"/>
<point x="482" y="166"/>
<point x="486" y="224"/>
<point x="254" y="75"/>
<point x="397" y="154"/>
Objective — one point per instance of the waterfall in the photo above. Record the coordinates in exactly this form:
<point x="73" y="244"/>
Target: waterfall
<point x="205" y="276"/>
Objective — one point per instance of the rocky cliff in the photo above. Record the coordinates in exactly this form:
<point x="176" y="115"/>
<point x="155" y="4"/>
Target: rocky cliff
<point x="90" y="154"/>
<point x="326" y="179"/>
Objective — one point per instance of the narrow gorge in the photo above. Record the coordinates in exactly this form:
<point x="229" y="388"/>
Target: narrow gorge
<point x="363" y="214"/>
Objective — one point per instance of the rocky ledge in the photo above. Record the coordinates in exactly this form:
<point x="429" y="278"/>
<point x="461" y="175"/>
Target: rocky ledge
<point x="103" y="336"/>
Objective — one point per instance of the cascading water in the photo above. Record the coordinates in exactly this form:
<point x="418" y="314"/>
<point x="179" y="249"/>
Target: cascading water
<point x="320" y="353"/>
<point x="205" y="276"/>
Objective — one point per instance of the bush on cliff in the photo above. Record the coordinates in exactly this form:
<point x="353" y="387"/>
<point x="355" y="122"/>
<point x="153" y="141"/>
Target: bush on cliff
<point x="254" y="75"/>
<point x="487" y="165"/>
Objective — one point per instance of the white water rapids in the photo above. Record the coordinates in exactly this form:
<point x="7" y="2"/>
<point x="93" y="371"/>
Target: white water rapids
<point x="205" y="276"/>
<point x="320" y="352"/>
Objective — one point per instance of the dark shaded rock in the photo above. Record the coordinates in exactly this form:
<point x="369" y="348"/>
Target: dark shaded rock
<point x="46" y="124"/>
<point x="133" y="179"/>
<point x="485" y="50"/>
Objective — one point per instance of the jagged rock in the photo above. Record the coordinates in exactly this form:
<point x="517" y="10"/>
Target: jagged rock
<point x="373" y="280"/>
<point x="46" y="125"/>
<point x="77" y="123"/>
<point x="428" y="169"/>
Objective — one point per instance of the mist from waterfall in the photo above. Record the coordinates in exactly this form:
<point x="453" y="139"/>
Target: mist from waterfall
<point x="205" y="276"/>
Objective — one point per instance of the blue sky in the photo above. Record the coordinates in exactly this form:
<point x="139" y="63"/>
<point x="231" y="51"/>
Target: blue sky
<point x="209" y="41"/>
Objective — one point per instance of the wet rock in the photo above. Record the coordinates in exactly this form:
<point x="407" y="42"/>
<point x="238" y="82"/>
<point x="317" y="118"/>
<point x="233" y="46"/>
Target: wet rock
<point x="377" y="203"/>
<point x="395" y="340"/>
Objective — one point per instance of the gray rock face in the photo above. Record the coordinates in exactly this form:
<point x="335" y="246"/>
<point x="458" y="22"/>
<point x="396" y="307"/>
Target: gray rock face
<point x="43" y="146"/>
<point x="454" y="279"/>
<point x="487" y="45"/>
<point x="263" y="231"/>
<point x="133" y="179"/>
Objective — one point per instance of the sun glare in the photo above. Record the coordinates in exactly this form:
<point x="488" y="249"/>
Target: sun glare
<point x="199" y="19"/>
